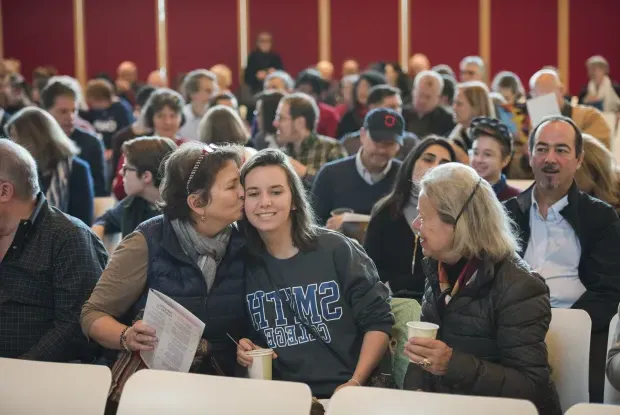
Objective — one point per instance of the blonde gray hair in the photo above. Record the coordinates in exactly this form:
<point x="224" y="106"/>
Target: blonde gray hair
<point x="484" y="227"/>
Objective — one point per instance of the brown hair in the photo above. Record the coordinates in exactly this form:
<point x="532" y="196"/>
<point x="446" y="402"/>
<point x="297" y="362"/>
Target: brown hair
<point x="177" y="169"/>
<point x="160" y="98"/>
<point x="191" y="82"/>
<point x="40" y="133"/>
<point x="303" y="229"/>
<point x="99" y="90"/>
<point x="147" y="153"/>
<point x="222" y="124"/>
<point x="477" y="94"/>
<point x="303" y="105"/>
<point x="598" y="175"/>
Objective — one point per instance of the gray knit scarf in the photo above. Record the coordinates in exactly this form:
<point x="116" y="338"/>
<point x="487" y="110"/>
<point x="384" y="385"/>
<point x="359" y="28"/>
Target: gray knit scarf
<point x="206" y="252"/>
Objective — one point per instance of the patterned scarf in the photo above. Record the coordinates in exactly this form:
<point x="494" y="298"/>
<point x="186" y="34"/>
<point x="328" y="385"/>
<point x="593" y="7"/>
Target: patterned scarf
<point x="206" y="252"/>
<point x="58" y="190"/>
<point x="465" y="276"/>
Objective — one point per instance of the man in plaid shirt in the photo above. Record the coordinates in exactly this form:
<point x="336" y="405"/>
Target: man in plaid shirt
<point x="296" y="120"/>
<point x="49" y="264"/>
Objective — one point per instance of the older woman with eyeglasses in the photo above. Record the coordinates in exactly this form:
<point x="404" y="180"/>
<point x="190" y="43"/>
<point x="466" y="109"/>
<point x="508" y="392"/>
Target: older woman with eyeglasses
<point x="193" y="253"/>
<point x="493" y="312"/>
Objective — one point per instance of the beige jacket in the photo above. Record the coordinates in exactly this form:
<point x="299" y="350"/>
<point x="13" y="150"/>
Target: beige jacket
<point x="591" y="121"/>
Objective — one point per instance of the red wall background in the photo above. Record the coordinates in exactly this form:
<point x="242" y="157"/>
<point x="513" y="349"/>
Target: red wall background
<point x="204" y="32"/>
<point x="523" y="41"/>
<point x="198" y="39"/>
<point x="593" y="31"/>
<point x="295" y="29"/>
<point x="368" y="33"/>
<point x="39" y="33"/>
<point x="446" y="31"/>
<point x="116" y="31"/>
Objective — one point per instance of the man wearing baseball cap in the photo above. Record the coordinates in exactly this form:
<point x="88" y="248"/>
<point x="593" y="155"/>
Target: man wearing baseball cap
<point x="359" y="181"/>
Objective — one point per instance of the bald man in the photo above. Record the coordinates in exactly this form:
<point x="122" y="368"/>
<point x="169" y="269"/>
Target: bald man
<point x="224" y="77"/>
<point x="418" y="63"/>
<point x="155" y="79"/>
<point x="427" y="116"/>
<point x="350" y="67"/>
<point x="588" y="119"/>
<point x="330" y="95"/>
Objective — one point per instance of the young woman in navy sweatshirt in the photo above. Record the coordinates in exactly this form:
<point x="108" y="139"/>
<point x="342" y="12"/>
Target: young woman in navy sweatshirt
<point x="304" y="281"/>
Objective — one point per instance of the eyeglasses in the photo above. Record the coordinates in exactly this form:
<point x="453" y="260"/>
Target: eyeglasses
<point x="208" y="149"/>
<point x="471" y="196"/>
<point x="125" y="168"/>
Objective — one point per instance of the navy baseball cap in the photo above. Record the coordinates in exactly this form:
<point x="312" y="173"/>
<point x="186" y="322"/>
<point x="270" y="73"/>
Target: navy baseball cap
<point x="385" y="124"/>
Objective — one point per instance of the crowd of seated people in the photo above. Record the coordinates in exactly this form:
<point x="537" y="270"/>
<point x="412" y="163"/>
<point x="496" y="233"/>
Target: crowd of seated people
<point x="236" y="208"/>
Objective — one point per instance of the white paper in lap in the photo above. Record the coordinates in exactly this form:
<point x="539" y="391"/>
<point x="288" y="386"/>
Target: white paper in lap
<point x="178" y="331"/>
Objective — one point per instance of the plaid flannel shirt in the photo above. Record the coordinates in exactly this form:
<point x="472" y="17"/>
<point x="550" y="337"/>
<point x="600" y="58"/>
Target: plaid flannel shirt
<point x="315" y="151"/>
<point x="46" y="276"/>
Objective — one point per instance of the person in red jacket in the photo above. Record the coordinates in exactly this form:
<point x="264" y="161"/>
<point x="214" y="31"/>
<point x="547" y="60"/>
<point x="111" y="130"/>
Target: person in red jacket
<point x="310" y="82"/>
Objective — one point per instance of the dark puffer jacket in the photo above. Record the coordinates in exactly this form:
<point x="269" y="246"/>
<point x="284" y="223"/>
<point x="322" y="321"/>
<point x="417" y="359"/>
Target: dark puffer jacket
<point x="496" y="326"/>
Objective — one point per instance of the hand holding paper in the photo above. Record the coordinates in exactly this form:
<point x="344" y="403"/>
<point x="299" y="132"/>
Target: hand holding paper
<point x="178" y="331"/>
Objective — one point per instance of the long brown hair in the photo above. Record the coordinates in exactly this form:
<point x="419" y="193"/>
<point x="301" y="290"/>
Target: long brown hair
<point x="599" y="175"/>
<point x="222" y="124"/>
<point x="40" y="133"/>
<point x="304" y="228"/>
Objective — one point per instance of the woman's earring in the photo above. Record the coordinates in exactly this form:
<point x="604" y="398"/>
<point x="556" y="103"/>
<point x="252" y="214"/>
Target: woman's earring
<point x="203" y="218"/>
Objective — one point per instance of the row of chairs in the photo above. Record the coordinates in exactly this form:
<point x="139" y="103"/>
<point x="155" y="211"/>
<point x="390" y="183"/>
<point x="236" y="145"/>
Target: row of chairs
<point x="55" y="388"/>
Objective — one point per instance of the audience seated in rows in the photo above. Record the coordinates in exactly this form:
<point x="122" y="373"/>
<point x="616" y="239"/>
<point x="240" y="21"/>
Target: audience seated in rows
<point x="141" y="180"/>
<point x="427" y="115"/>
<point x="199" y="87"/>
<point x="569" y="237"/>
<point x="264" y="116"/>
<point x="222" y="124"/>
<point x="600" y="90"/>
<point x="352" y="328"/>
<point x="296" y="120"/>
<point x="471" y="100"/>
<point x="310" y="82"/>
<point x="137" y="128"/>
<point x="390" y="242"/>
<point x="472" y="68"/>
<point x="354" y="117"/>
<point x="105" y="112"/>
<point x="49" y="264"/>
<point x="492" y="310"/>
<point x="491" y="151"/>
<point x="357" y="182"/>
<point x="63" y="176"/>
<point x="60" y="100"/>
<point x="382" y="96"/>
<point x="163" y="115"/>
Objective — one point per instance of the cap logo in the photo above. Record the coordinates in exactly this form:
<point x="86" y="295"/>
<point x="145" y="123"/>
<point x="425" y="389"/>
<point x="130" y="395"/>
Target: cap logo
<point x="389" y="120"/>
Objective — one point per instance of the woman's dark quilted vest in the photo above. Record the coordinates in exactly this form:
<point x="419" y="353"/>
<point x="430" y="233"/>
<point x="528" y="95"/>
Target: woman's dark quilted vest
<point x="174" y="274"/>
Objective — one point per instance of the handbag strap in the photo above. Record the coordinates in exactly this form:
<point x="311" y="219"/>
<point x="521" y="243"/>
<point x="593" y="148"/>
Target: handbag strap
<point x="307" y="325"/>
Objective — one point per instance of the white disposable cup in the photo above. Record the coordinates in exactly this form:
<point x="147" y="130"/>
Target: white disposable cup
<point x="421" y="329"/>
<point x="261" y="364"/>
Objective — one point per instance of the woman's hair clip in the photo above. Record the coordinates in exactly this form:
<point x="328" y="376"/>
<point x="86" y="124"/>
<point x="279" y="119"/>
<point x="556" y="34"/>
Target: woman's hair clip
<point x="207" y="149"/>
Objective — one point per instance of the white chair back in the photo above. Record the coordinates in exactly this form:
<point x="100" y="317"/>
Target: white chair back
<point x="611" y="394"/>
<point x="157" y="392"/>
<point x="375" y="401"/>
<point x="593" y="409"/>
<point x="568" y="343"/>
<point x="520" y="184"/>
<point x="28" y="387"/>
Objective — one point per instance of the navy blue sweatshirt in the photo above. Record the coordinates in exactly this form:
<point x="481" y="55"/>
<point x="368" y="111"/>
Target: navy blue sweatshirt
<point x="336" y="289"/>
<point x="338" y="185"/>
<point x="91" y="151"/>
<point x="108" y="121"/>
